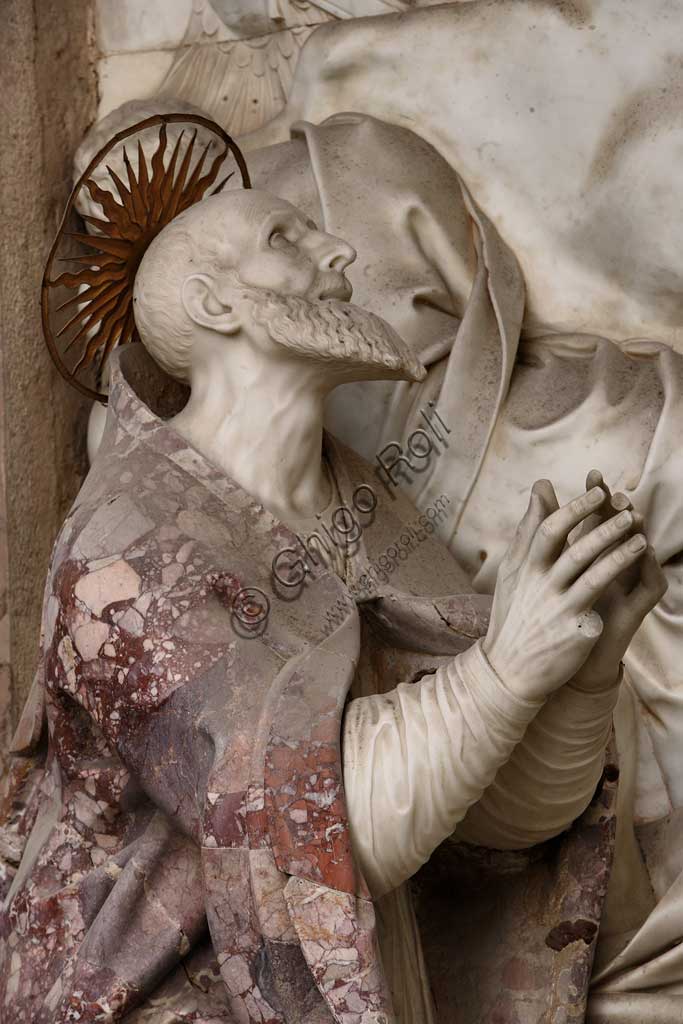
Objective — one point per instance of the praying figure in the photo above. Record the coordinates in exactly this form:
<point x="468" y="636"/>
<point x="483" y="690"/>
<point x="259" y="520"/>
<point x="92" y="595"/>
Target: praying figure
<point x="255" y="734"/>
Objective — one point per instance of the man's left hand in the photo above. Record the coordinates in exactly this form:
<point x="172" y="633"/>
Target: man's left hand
<point x="624" y="604"/>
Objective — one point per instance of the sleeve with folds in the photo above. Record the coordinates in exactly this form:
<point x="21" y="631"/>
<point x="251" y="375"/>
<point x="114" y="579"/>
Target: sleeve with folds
<point x="459" y="752"/>
<point x="552" y="774"/>
<point x="417" y="758"/>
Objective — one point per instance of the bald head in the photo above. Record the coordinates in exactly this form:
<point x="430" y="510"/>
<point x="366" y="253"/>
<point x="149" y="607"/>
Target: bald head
<point x="233" y="210"/>
<point x="207" y="239"/>
<point x="240" y="237"/>
<point x="237" y="224"/>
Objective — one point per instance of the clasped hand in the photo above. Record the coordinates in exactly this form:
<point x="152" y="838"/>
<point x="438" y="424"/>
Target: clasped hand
<point x="566" y="611"/>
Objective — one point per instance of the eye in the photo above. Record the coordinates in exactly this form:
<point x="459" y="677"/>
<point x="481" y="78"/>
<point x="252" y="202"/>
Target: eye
<point x="278" y="240"/>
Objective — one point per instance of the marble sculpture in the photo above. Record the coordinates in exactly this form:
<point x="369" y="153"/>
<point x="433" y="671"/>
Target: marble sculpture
<point x="267" y="731"/>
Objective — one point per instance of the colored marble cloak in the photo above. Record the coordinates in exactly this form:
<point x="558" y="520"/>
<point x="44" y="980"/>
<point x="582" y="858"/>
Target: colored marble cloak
<point x="176" y="807"/>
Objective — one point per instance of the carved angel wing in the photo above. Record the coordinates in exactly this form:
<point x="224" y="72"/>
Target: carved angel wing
<point x="241" y="82"/>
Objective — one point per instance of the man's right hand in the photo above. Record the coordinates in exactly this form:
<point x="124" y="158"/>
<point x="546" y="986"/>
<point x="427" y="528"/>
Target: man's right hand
<point x="543" y="623"/>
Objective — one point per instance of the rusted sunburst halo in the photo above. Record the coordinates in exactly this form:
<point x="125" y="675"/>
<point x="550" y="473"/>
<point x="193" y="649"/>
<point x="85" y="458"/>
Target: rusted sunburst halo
<point x="103" y="288"/>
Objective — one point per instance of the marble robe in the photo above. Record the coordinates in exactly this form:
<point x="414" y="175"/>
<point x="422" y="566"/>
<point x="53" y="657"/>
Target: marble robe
<point x="185" y="851"/>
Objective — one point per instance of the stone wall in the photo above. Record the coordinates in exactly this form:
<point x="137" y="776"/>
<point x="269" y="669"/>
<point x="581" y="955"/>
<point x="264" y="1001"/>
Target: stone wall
<point x="48" y="98"/>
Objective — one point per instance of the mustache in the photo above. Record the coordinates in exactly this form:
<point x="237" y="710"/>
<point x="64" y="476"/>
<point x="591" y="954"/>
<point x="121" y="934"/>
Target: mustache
<point x="331" y="284"/>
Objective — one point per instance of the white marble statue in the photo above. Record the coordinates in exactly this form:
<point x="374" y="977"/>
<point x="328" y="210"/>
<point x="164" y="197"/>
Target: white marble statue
<point x="229" y="818"/>
<point x="547" y="353"/>
<point x="262" y="331"/>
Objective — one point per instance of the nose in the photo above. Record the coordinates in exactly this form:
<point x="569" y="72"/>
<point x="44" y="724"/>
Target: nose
<point x="334" y="253"/>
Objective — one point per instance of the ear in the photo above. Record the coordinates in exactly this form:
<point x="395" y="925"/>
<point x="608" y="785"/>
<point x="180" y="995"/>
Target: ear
<point x="204" y="307"/>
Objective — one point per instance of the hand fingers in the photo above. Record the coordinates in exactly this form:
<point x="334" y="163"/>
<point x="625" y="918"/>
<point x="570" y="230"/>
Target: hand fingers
<point x="626" y="616"/>
<point x="638" y="522"/>
<point x="615" y="503"/>
<point x="593" y="479"/>
<point x="651" y="587"/>
<point x="612" y="506"/>
<point x="533" y="517"/>
<point x="598" y="577"/>
<point x="617" y="594"/>
<point x="629" y="579"/>
<point x="596" y="479"/>
<point x="546" y="492"/>
<point x="585" y="551"/>
<point x="620" y="502"/>
<point x="542" y="502"/>
<point x="551" y="535"/>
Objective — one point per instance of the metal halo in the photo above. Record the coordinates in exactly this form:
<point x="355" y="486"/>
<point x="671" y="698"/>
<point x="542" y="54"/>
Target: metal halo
<point x="159" y="197"/>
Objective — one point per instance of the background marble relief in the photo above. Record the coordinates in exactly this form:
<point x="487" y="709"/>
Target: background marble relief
<point x="234" y="58"/>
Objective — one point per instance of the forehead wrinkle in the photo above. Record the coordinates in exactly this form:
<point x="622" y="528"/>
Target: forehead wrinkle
<point x="220" y="226"/>
<point x="255" y="205"/>
<point x="238" y="209"/>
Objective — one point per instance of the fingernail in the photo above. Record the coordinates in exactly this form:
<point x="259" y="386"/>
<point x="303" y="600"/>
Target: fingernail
<point x="595" y="495"/>
<point x="624" y="519"/>
<point x="637" y="543"/>
<point x="620" y="502"/>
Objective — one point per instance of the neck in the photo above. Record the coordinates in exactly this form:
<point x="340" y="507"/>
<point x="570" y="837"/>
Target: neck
<point x="266" y="433"/>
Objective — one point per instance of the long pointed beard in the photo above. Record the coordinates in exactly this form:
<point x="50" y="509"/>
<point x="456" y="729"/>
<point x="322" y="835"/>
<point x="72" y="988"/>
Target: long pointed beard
<point x="334" y="330"/>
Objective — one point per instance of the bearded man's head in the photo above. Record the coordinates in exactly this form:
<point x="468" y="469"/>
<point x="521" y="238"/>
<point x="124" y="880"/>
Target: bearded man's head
<point x="249" y="251"/>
